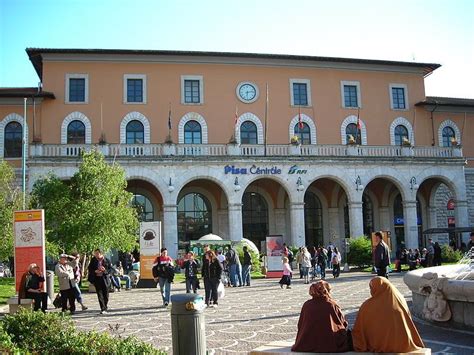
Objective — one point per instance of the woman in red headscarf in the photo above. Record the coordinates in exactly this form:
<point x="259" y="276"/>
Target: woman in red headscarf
<point x="322" y="327"/>
<point x="384" y="323"/>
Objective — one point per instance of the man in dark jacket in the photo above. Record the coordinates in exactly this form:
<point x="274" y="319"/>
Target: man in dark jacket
<point x="99" y="276"/>
<point x="381" y="256"/>
<point x="190" y="272"/>
<point x="34" y="289"/>
<point x="246" y="267"/>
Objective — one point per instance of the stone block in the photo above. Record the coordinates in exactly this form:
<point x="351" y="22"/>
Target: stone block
<point x="14" y="306"/>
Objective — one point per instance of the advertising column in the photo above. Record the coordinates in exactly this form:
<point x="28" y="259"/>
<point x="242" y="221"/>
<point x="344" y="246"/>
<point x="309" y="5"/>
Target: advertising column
<point x="28" y="227"/>
<point x="150" y="245"/>
<point x="274" y="256"/>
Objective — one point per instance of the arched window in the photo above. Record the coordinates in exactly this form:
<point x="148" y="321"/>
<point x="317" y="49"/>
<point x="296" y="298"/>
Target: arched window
<point x="13" y="140"/>
<point x="367" y="214"/>
<point x="248" y="133"/>
<point x="135" y="132"/>
<point x="303" y="133"/>
<point x="448" y="136"/>
<point x="254" y="217"/>
<point x="400" y="133"/>
<point x="352" y="132"/>
<point x="76" y="132"/>
<point x="194" y="217"/>
<point x="144" y="208"/>
<point x="192" y="133"/>
<point x="313" y="220"/>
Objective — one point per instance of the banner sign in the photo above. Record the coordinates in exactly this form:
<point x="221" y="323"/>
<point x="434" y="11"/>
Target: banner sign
<point x="274" y="253"/>
<point x="150" y="245"/>
<point x="28" y="227"/>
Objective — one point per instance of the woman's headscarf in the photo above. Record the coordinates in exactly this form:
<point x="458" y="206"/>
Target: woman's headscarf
<point x="320" y="289"/>
<point x="384" y="323"/>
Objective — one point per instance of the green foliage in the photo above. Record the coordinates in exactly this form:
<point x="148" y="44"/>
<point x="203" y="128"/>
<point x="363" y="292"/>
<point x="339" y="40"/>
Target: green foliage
<point x="90" y="211"/>
<point x="10" y="200"/>
<point x="7" y="289"/>
<point x="54" y="333"/>
<point x="448" y="255"/>
<point x="360" y="252"/>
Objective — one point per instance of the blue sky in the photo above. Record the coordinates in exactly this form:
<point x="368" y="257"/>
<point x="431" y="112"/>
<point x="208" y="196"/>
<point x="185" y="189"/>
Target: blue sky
<point x="408" y="30"/>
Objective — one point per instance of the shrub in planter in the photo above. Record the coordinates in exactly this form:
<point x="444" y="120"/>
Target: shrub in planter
<point x="54" y="333"/>
<point x="448" y="255"/>
<point x="360" y="252"/>
<point x="254" y="254"/>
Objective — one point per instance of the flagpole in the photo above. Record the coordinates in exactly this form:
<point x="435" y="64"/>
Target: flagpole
<point x="266" y="119"/>
<point x="23" y="160"/>
<point x="358" y="125"/>
<point x="169" y="120"/>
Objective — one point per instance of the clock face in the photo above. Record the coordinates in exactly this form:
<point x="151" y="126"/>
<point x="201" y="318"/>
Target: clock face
<point x="247" y="92"/>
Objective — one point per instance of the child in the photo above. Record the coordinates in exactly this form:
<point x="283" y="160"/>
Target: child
<point x="190" y="270"/>
<point x="286" y="278"/>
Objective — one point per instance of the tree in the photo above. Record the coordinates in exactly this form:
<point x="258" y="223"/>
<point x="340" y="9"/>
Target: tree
<point x="10" y="200"/>
<point x="90" y="211"/>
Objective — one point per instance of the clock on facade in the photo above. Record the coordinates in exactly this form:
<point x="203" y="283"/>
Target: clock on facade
<point x="247" y="92"/>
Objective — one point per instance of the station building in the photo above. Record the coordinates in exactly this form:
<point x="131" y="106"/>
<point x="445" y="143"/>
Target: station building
<point x="207" y="141"/>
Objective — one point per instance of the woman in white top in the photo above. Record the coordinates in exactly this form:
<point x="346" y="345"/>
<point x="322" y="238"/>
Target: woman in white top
<point x="305" y="264"/>
<point x="336" y="262"/>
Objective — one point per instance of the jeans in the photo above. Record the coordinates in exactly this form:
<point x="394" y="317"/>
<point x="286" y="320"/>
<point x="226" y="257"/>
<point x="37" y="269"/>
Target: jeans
<point x="116" y="282"/>
<point x="246" y="274"/>
<point x="128" y="282"/>
<point x="323" y="270"/>
<point x="235" y="273"/>
<point x="77" y="293"/>
<point x="382" y="271"/>
<point x="191" y="284"/>
<point x="165" y="288"/>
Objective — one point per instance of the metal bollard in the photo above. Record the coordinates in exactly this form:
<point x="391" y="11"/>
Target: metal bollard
<point x="188" y="324"/>
<point x="50" y="285"/>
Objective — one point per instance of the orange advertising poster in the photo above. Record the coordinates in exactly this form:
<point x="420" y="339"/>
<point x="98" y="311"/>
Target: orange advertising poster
<point x="29" y="242"/>
<point x="146" y="264"/>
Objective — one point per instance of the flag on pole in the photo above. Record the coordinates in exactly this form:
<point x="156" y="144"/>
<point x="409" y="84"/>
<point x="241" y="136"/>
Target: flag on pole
<point x="169" y="118"/>
<point x="358" y="125"/>
<point x="300" y="122"/>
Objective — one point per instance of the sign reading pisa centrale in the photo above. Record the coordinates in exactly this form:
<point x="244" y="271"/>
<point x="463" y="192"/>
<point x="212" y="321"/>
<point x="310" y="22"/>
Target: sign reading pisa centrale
<point x="29" y="242"/>
<point x="262" y="170"/>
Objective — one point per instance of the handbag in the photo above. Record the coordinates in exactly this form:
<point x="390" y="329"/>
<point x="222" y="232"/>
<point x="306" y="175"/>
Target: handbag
<point x="57" y="303"/>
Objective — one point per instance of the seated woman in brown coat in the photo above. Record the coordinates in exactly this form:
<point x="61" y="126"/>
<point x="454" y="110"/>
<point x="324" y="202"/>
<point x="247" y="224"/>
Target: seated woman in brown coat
<point x="384" y="323"/>
<point x="322" y="327"/>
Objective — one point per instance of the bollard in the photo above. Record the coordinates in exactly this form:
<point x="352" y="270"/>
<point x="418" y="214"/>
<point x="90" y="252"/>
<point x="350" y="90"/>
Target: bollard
<point x="50" y="285"/>
<point x="188" y="325"/>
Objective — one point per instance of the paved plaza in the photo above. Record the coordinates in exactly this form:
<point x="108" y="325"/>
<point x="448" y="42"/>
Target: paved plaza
<point x="250" y="316"/>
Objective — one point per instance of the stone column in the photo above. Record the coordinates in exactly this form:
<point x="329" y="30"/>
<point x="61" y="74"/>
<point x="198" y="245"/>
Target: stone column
<point x="333" y="226"/>
<point x="356" y="221"/>
<point x="280" y="222"/>
<point x="297" y="224"/>
<point x="384" y="218"/>
<point x="170" y="237"/>
<point x="462" y="217"/>
<point x="411" y="224"/>
<point x="235" y="221"/>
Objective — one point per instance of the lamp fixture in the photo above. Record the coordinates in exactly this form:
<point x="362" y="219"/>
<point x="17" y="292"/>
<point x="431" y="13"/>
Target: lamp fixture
<point x="236" y="184"/>
<point x="299" y="184"/>
<point x="170" y="186"/>
<point x="358" y="183"/>
<point x="413" y="184"/>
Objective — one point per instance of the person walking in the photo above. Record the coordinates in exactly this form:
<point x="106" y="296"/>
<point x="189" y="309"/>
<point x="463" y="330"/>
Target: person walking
<point x="305" y="264"/>
<point x="287" y="272"/>
<point x="246" y="267"/>
<point x="322" y="261"/>
<point x="437" y="255"/>
<point x="430" y="254"/>
<point x="233" y="261"/>
<point x="381" y="256"/>
<point x="67" y="283"/>
<point x="99" y="275"/>
<point x="74" y="261"/>
<point x="211" y="274"/>
<point x="190" y="272"/>
<point x="163" y="273"/>
<point x="336" y="263"/>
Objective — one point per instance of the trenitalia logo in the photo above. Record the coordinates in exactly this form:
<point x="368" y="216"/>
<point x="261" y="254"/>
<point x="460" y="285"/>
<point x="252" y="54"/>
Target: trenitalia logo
<point x="256" y="170"/>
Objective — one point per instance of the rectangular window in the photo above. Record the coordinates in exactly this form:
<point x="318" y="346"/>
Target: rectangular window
<point x="191" y="92"/>
<point x="134" y="90"/>
<point x="77" y="90"/>
<point x="350" y="96"/>
<point x="398" y="96"/>
<point x="300" y="94"/>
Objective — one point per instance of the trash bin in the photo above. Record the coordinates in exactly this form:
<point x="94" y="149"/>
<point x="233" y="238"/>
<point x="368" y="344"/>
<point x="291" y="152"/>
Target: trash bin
<point x="50" y="285"/>
<point x="187" y="324"/>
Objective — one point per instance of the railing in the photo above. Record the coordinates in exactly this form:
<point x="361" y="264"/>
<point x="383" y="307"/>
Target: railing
<point x="271" y="150"/>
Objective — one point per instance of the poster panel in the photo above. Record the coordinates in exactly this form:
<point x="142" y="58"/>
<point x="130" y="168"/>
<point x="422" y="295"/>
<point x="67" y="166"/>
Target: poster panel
<point x="150" y="245"/>
<point x="274" y="252"/>
<point x="28" y="228"/>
